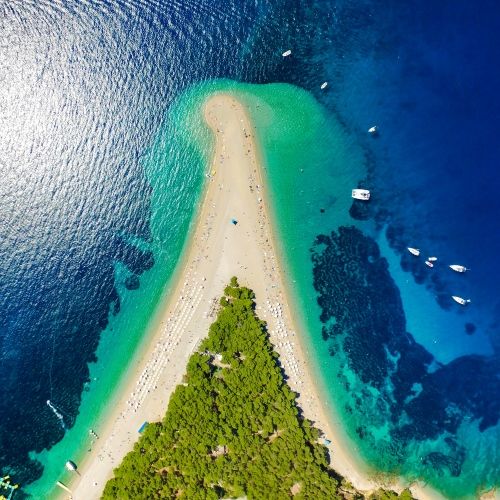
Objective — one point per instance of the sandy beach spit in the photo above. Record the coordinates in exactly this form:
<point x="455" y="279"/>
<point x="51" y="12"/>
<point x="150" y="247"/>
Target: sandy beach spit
<point x="218" y="250"/>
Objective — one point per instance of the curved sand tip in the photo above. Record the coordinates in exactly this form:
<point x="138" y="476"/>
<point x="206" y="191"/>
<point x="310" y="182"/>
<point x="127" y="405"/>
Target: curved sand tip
<point x="218" y="250"/>
<point x="236" y="162"/>
<point x="216" y="108"/>
<point x="236" y="154"/>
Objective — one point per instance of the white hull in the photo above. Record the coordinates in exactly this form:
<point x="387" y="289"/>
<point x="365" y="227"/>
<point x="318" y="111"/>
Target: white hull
<point x="286" y="53"/>
<point x="373" y="130"/>
<point x="361" y="194"/>
<point x="414" y="251"/>
<point x="428" y="263"/>
<point x="71" y="466"/>
<point x="460" y="300"/>
<point x="324" y="85"/>
<point x="457" y="268"/>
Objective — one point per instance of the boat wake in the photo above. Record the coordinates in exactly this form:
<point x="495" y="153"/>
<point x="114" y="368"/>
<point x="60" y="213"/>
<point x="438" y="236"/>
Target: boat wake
<point x="57" y="414"/>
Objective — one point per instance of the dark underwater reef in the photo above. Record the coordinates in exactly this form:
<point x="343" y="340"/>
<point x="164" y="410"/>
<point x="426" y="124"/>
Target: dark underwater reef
<point x="364" y="320"/>
<point x="69" y="311"/>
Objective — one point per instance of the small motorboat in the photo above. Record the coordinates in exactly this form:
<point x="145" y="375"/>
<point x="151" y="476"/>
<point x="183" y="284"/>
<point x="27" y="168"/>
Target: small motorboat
<point x="361" y="194"/>
<point x="460" y="300"/>
<point x="432" y="259"/>
<point x="71" y="466"/>
<point x="414" y="251"/>
<point x="324" y="85"/>
<point x="458" y="268"/>
<point x="429" y="263"/>
<point x="373" y="130"/>
<point x="286" y="53"/>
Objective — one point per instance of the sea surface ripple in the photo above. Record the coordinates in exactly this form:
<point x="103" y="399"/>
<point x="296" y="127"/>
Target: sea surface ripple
<point x="85" y="89"/>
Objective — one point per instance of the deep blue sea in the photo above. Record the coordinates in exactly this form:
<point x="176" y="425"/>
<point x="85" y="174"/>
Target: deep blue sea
<point x="85" y="87"/>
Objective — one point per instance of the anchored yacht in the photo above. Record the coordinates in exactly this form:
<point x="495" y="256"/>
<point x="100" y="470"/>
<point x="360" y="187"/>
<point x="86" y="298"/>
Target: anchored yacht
<point x="361" y="194"/>
<point x="373" y="130"/>
<point x="324" y="85"/>
<point x="458" y="268"/>
<point x="460" y="300"/>
<point x="286" y="53"/>
<point x="414" y="251"/>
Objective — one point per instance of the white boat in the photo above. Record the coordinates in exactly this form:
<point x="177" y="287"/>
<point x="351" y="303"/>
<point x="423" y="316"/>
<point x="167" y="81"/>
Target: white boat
<point x="286" y="53"/>
<point x="458" y="268"/>
<point x="461" y="301"/>
<point x="71" y="466"/>
<point x="414" y="251"/>
<point x="432" y="259"/>
<point x="361" y="194"/>
<point x="373" y="130"/>
<point x="324" y="85"/>
<point x="429" y="263"/>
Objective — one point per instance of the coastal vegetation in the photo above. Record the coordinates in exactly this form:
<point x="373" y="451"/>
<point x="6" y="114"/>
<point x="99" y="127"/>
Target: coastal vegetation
<point x="233" y="427"/>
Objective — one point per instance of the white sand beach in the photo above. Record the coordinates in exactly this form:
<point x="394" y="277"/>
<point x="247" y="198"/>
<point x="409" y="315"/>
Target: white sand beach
<point x="218" y="249"/>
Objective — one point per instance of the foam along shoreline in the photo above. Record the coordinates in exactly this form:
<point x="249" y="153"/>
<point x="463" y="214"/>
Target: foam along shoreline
<point x="217" y="250"/>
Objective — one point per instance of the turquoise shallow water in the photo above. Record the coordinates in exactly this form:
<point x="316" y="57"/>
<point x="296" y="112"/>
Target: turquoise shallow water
<point x="306" y="152"/>
<point x="174" y="166"/>
<point x="90" y="229"/>
<point x="384" y="382"/>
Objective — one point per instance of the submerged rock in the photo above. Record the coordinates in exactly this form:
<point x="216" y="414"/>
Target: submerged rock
<point x="132" y="282"/>
<point x="364" y="322"/>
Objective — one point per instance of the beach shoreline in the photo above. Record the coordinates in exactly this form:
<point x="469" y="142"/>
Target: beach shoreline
<point x="232" y="236"/>
<point x="323" y="413"/>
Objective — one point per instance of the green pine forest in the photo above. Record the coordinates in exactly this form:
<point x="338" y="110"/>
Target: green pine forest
<point x="233" y="428"/>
